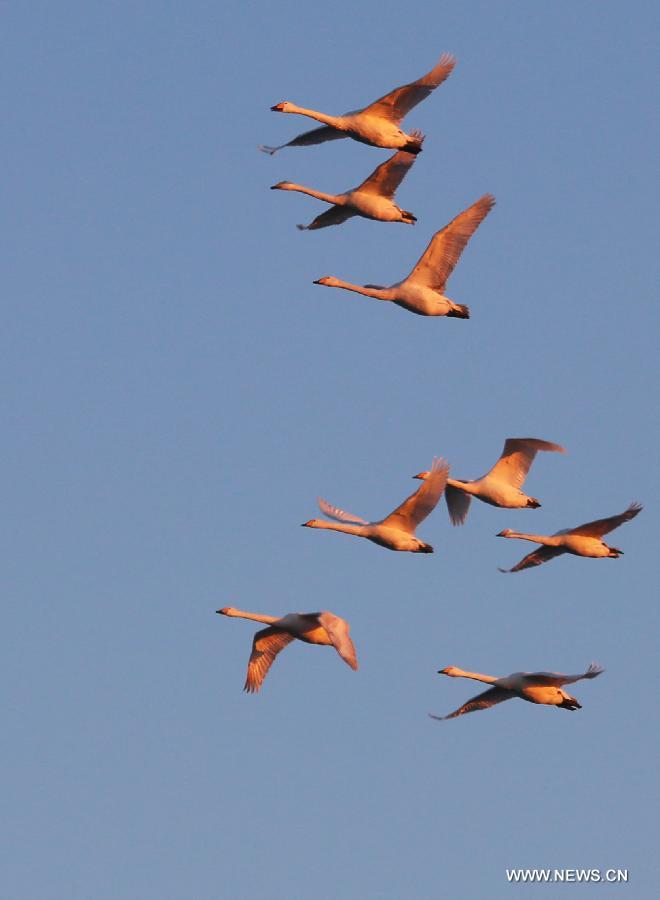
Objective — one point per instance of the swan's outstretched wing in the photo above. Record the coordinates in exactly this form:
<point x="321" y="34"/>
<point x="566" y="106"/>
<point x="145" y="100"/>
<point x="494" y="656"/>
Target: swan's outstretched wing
<point x="416" y="508"/>
<point x="337" y="630"/>
<point x="385" y="180"/>
<point x="481" y="701"/>
<point x="440" y="257"/>
<point x="266" y="645"/>
<point x="556" y="679"/>
<point x="334" y="512"/>
<point x="535" y="558"/>
<point x="458" y="504"/>
<point x="398" y="103"/>
<point x="308" y="138"/>
<point x="333" y="216"/>
<point x="604" y="526"/>
<point x="517" y="457"/>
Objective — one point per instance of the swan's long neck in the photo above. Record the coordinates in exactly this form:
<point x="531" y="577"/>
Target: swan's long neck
<point x="345" y="527"/>
<point x="476" y="676"/>
<point x="375" y="292"/>
<point x="336" y="199"/>
<point x="549" y="540"/>
<point x="467" y="487"/>
<point x="256" y="617"/>
<point x="334" y="121"/>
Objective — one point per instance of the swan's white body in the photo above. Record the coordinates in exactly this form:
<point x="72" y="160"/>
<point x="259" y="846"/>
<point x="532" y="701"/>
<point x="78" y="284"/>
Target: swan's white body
<point x="376" y="124"/>
<point x="502" y="485"/>
<point x="585" y="540"/>
<point x="397" y="530"/>
<point x="535" y="687"/>
<point x="422" y="291"/>
<point x="373" y="199"/>
<point x="313" y="628"/>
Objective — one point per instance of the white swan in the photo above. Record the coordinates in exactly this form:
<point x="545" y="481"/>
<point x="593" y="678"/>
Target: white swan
<point x="376" y="124"/>
<point x="585" y="540"/>
<point x="396" y="531"/>
<point x="422" y="291"/>
<point x="373" y="199"/>
<point x="502" y="485"/>
<point x="536" y="687"/>
<point x="313" y="628"/>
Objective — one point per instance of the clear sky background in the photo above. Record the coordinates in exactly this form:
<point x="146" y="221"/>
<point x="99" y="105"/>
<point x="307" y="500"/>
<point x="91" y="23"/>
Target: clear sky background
<point x="176" y="393"/>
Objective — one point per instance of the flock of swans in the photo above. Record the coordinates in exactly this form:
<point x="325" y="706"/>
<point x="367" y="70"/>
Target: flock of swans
<point x="421" y="292"/>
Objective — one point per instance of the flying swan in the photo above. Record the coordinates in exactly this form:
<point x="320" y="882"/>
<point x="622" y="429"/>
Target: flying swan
<point x="585" y="540"/>
<point x="396" y="531"/>
<point x="422" y="291"/>
<point x="373" y="199"/>
<point x="313" y="628"/>
<point x="536" y="687"/>
<point x="376" y="124"/>
<point x="502" y="485"/>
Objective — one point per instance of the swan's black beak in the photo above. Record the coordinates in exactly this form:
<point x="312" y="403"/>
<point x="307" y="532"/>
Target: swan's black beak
<point x="277" y="108"/>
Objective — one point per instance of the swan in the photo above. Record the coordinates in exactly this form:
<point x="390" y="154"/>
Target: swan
<point x="585" y="540"/>
<point x="396" y="531"/>
<point x="373" y="199"/>
<point x="313" y="628"/>
<point x="422" y="291"/>
<point x="536" y="687"/>
<point x="502" y="485"/>
<point x="376" y="124"/>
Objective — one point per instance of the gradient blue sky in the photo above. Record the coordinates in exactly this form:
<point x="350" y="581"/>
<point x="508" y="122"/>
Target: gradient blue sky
<point x="176" y="392"/>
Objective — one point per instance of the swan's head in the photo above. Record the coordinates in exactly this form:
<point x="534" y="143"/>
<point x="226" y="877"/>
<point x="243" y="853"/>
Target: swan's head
<point x="449" y="670"/>
<point x="226" y="611"/>
<point x="313" y="523"/>
<point x="407" y="217"/>
<point x="280" y="186"/>
<point x="506" y="533"/>
<point x="284" y="106"/>
<point x="328" y="280"/>
<point x="422" y="476"/>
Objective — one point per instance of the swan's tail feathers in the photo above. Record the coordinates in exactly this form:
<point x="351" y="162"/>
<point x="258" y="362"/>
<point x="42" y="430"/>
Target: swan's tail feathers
<point x="533" y="503"/>
<point x="408" y="217"/>
<point x="425" y="548"/>
<point x="569" y="703"/>
<point x="413" y="147"/>
<point x="269" y="150"/>
<point x="459" y="311"/>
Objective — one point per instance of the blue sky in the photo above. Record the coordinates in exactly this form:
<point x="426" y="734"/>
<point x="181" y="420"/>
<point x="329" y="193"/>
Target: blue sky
<point x="176" y="393"/>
